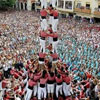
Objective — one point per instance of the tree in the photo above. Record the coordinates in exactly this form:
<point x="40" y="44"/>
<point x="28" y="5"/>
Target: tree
<point x="5" y="4"/>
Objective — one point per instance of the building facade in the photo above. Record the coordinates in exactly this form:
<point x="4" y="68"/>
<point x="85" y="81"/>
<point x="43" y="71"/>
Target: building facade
<point x="82" y="8"/>
<point x="25" y="5"/>
<point x="87" y="8"/>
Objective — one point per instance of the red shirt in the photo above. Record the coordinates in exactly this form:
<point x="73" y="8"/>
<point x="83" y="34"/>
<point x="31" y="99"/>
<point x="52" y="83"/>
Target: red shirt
<point x="50" y="30"/>
<point x="88" y="75"/>
<point x="51" y="11"/>
<point x="43" y="80"/>
<point x="54" y="55"/>
<point x="55" y="13"/>
<point x="16" y="88"/>
<point x="16" y="75"/>
<point x="4" y="83"/>
<point x="43" y="12"/>
<point x="67" y="79"/>
<point x="37" y="77"/>
<point x="31" y="83"/>
<point x="51" y="78"/>
<point x="54" y="35"/>
<point x="43" y="34"/>
<point x="87" y="85"/>
<point x="42" y="55"/>
<point x="59" y="80"/>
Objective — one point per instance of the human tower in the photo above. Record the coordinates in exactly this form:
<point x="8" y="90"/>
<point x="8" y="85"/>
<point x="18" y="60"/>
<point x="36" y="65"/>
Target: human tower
<point x="48" y="30"/>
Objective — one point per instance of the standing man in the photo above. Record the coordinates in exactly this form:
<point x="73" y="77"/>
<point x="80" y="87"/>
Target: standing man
<point x="50" y="11"/>
<point x="43" y="36"/>
<point x="55" y="20"/>
<point x="43" y="13"/>
<point x="55" y="42"/>
<point x="53" y="3"/>
<point x="43" y="3"/>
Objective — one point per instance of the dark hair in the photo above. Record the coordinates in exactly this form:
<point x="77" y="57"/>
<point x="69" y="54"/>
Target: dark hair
<point x="43" y="73"/>
<point x="58" y="76"/>
<point x="66" y="68"/>
<point x="51" y="5"/>
<point x="35" y="70"/>
<point x="67" y="73"/>
<point x="51" y="74"/>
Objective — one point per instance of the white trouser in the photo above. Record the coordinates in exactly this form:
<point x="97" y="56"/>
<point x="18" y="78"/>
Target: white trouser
<point x="54" y="46"/>
<point x="43" y="3"/>
<point x="25" y="81"/>
<point x="0" y="85"/>
<point x="42" y="44"/>
<point x="44" y="24"/>
<point x="51" y="18"/>
<point x="28" y="94"/>
<point x="54" y="25"/>
<point x="41" y="93"/>
<point x="53" y="2"/>
<point x="25" y="89"/>
<point x="50" y="40"/>
<point x="1" y="95"/>
<point x="58" y="90"/>
<point x="17" y="98"/>
<point x="41" y="62"/>
<point x="67" y="89"/>
<point x="50" y="88"/>
<point x="35" y="89"/>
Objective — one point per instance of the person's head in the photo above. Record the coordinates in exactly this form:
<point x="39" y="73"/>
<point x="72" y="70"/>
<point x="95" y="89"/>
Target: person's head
<point x="51" y="74"/>
<point x="67" y="74"/>
<point x="43" y="73"/>
<point x="43" y="7"/>
<point x="50" y="26"/>
<point x="58" y="76"/>
<point x="50" y="5"/>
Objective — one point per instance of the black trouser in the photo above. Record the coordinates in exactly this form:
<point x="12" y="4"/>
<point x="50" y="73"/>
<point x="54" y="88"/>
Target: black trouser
<point x="6" y="74"/>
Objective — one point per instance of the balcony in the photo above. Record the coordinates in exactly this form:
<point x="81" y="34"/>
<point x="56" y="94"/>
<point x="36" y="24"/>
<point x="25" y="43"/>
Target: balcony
<point x="78" y="10"/>
<point x="87" y="11"/>
<point x="97" y="12"/>
<point x="83" y="10"/>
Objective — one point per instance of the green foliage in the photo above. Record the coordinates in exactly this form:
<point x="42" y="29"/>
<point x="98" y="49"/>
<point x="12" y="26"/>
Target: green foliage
<point x="4" y="4"/>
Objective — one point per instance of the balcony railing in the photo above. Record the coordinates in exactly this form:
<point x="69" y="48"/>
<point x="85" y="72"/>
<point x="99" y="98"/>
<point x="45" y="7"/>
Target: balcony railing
<point x="97" y="11"/>
<point x="83" y="10"/>
<point x="78" y="10"/>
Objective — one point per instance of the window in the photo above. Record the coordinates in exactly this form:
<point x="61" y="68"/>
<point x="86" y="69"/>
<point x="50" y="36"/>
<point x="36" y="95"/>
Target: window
<point x="87" y="6"/>
<point x="78" y="5"/>
<point x="68" y="4"/>
<point x="60" y="3"/>
<point x="98" y="7"/>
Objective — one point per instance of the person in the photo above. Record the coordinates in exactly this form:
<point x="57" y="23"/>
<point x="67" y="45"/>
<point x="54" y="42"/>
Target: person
<point x="55" y="42"/>
<point x="59" y="82"/>
<point x="50" y="11"/>
<point x="43" y="3"/>
<point x="42" y="58"/>
<point x="37" y="76"/>
<point x="53" y="3"/>
<point x="55" y="20"/>
<point x="42" y="87"/>
<point x="43" y="36"/>
<point x="50" y="84"/>
<point x="31" y="84"/>
<point x="50" y="32"/>
<point x="97" y="91"/>
<point x="43" y="14"/>
<point x="67" y="89"/>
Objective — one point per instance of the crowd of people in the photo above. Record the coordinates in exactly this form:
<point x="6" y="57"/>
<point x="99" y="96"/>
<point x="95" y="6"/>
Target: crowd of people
<point x="71" y="68"/>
